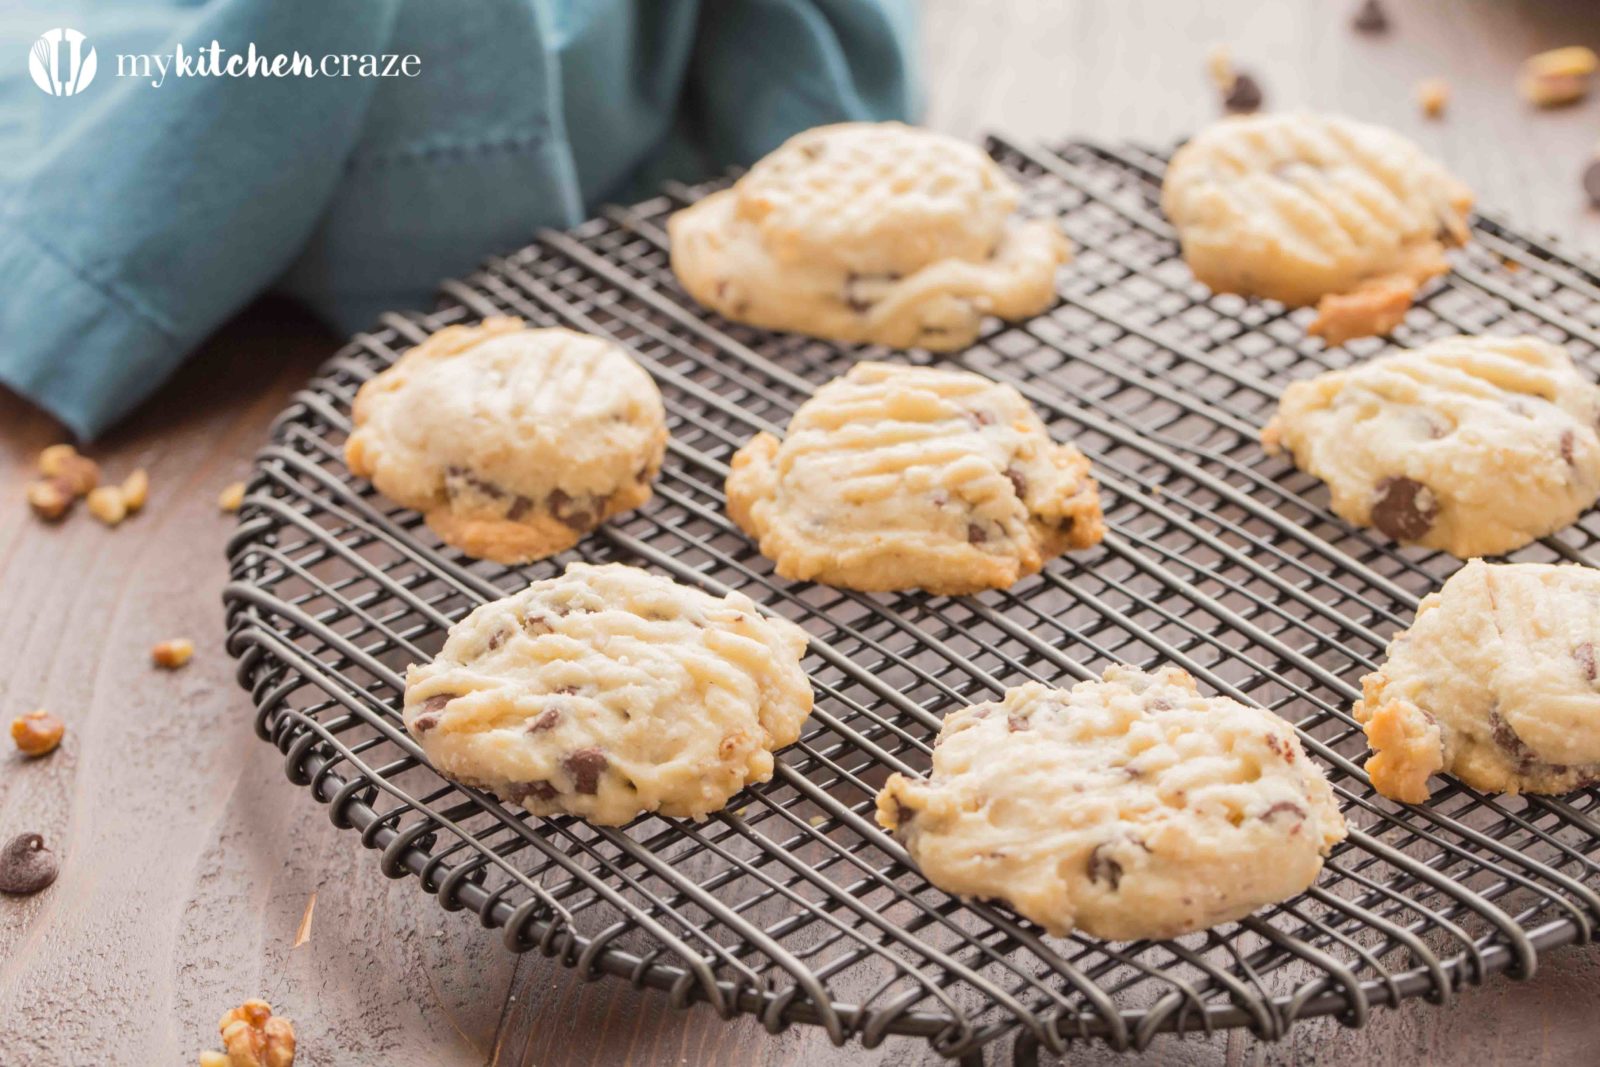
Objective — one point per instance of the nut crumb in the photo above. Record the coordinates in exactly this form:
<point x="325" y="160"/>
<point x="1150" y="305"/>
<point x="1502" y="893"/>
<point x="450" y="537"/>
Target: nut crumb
<point x="173" y="654"/>
<point x="1219" y="66"/>
<point x="253" y="1037"/>
<point x="1559" y="76"/>
<point x="231" y="497"/>
<point x="50" y="498"/>
<point x="1434" y="96"/>
<point x="136" y="490"/>
<point x="78" y="473"/>
<point x="37" y="733"/>
<point x="107" y="505"/>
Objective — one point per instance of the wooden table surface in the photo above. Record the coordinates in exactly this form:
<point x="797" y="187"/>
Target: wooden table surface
<point x="189" y="860"/>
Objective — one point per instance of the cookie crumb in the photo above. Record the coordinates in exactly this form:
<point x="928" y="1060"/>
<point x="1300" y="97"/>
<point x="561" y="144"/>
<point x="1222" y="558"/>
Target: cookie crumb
<point x="172" y="654"/>
<point x="1370" y="17"/>
<point x="37" y="733"/>
<point x="231" y="497"/>
<point x="253" y="1037"/>
<point x="1558" y="77"/>
<point x="1434" y="96"/>
<point x="106" y="504"/>
<point x="50" y="498"/>
<point x="78" y="473"/>
<point x="135" y="490"/>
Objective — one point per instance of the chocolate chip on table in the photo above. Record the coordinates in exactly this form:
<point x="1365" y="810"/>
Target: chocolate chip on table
<point x="1244" y="97"/>
<point x="37" y="733"/>
<point x="1370" y="17"/>
<point x="1404" y="508"/>
<point x="585" y="766"/>
<point x="1591" y="182"/>
<point x="26" y="866"/>
<point x="1102" y="868"/>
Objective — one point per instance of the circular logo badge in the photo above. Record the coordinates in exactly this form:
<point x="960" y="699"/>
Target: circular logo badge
<point x="62" y="62"/>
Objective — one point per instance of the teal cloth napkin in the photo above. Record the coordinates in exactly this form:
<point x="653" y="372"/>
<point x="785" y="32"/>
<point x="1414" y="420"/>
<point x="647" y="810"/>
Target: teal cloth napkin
<point x="137" y="218"/>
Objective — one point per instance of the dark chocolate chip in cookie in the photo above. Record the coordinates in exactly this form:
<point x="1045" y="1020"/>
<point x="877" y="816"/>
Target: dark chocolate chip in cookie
<point x="585" y="766"/>
<point x="1404" y="508"/>
<point x="1584" y="654"/>
<point x="1018" y="482"/>
<point x="976" y="534"/>
<point x="428" y="715"/>
<point x="1567" y="443"/>
<point x="548" y="719"/>
<point x="1102" y="868"/>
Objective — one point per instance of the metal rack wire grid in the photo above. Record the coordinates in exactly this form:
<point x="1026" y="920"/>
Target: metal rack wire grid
<point x="791" y="904"/>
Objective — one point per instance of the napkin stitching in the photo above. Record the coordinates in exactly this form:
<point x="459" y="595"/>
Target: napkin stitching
<point x="426" y="152"/>
<point x="106" y="289"/>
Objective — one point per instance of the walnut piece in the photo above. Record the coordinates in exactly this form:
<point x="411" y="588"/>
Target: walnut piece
<point x="231" y="497"/>
<point x="107" y="505"/>
<point x="135" y="490"/>
<point x="173" y="654"/>
<point x="78" y="473"/>
<point x="50" y="498"/>
<point x="37" y="733"/>
<point x="253" y="1037"/>
<point x="1560" y="76"/>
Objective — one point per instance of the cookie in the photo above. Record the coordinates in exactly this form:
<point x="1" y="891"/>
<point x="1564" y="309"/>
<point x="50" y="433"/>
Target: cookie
<point x="1127" y="808"/>
<point x="872" y="232"/>
<point x="1472" y="445"/>
<point x="896" y="477"/>
<point x="609" y="692"/>
<point x="1315" y="209"/>
<point x="512" y="442"/>
<point x="1495" y="682"/>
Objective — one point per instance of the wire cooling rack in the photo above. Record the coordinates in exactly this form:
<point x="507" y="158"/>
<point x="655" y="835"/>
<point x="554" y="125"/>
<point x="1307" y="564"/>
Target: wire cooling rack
<point x="791" y="904"/>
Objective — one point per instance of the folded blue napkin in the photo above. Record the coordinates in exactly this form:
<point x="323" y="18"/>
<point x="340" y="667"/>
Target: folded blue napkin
<point x="145" y="208"/>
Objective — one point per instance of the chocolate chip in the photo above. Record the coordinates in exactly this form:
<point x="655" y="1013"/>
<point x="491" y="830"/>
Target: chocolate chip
<point x="1102" y="868"/>
<point x="517" y="792"/>
<point x="1370" y="18"/>
<point x="534" y="625"/>
<point x="576" y="513"/>
<point x="1404" y="509"/>
<point x="458" y="479"/>
<point x="585" y="766"/>
<point x="1018" y="482"/>
<point x="1591" y="182"/>
<point x="520" y="507"/>
<point x="1284" y="806"/>
<point x="1244" y="97"/>
<point x="547" y="720"/>
<point x="1584" y="654"/>
<point x="1567" y="442"/>
<point x="1507" y="739"/>
<point x="1017" y="723"/>
<point x="26" y="866"/>
<point x="1280" y="748"/>
<point x="983" y="418"/>
<point x="497" y="639"/>
<point x="423" y="723"/>
<point x="976" y="534"/>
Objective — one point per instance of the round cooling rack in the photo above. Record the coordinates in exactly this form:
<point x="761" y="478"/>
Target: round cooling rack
<point x="791" y="904"/>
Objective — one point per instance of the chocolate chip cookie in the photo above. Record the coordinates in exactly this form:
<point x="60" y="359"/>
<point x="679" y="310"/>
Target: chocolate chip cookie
<point x="872" y="232"/>
<point x="1130" y="807"/>
<point x="1473" y="445"/>
<point x="512" y="442"/>
<point x="896" y="477"/>
<point x="1495" y="683"/>
<point x="1315" y="209"/>
<point x="610" y="692"/>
